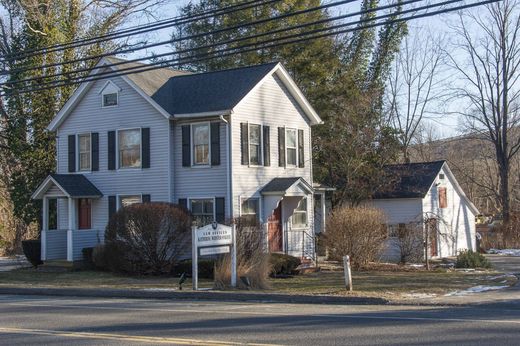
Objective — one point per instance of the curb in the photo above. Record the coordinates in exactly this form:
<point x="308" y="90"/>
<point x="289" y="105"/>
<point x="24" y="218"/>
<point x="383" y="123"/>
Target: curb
<point x="201" y="295"/>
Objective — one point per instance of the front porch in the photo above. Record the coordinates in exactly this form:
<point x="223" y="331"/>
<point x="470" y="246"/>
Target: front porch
<point x="73" y="196"/>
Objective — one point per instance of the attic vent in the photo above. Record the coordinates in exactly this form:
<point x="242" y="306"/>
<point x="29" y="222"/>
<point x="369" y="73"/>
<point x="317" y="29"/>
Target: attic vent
<point x="441" y="176"/>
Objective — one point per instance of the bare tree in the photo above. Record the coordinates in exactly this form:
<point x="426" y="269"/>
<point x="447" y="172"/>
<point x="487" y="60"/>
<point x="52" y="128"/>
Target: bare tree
<point x="414" y="85"/>
<point x="487" y="57"/>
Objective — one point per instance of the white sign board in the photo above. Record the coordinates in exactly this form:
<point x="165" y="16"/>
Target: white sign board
<point x="213" y="239"/>
<point x="214" y="250"/>
<point x="211" y="236"/>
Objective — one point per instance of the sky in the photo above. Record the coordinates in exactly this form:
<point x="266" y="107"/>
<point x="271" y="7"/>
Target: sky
<point x="445" y="125"/>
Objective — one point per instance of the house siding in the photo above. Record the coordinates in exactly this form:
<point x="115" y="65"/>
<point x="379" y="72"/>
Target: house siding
<point x="133" y="111"/>
<point x="56" y="244"/>
<point x="85" y="238"/>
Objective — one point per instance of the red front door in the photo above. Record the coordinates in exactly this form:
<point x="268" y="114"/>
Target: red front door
<point x="275" y="235"/>
<point x="84" y="213"/>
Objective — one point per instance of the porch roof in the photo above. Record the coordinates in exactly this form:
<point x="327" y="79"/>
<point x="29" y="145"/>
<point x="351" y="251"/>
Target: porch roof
<point x="282" y="186"/>
<point x="71" y="185"/>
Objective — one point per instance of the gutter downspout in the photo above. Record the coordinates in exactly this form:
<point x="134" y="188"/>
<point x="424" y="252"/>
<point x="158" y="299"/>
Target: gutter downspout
<point x="229" y="159"/>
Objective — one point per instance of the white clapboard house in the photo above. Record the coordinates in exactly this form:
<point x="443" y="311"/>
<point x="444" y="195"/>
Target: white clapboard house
<point x="427" y="194"/>
<point x="223" y="144"/>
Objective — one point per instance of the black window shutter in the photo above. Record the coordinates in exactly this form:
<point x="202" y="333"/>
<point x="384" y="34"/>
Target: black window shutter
<point x="145" y="147"/>
<point x="183" y="202"/>
<point x="111" y="206"/>
<point x="111" y="150"/>
<point x="145" y="198"/>
<point x="220" y="208"/>
<point x="215" y="144"/>
<point x="244" y="143"/>
<point x="95" y="151"/>
<point x="281" y="146"/>
<point x="267" y="146"/>
<point x="301" y="158"/>
<point x="186" y="152"/>
<point x="72" y="153"/>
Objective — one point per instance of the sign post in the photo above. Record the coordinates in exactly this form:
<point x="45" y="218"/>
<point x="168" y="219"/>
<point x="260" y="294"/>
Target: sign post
<point x="213" y="239"/>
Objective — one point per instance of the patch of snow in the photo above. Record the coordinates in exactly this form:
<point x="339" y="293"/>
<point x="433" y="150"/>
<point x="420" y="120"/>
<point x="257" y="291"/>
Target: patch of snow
<point x="503" y="276"/>
<point x="475" y="289"/>
<point x="419" y="295"/>
<point x="159" y="289"/>
<point x="416" y="265"/>
<point x="505" y="252"/>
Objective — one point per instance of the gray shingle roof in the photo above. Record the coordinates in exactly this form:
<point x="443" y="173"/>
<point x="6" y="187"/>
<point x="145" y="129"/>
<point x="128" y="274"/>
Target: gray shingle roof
<point x="209" y="92"/>
<point x="282" y="184"/>
<point x="410" y="180"/>
<point x="77" y="185"/>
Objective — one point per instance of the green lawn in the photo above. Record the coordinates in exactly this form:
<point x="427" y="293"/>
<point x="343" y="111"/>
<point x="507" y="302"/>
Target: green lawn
<point x="366" y="283"/>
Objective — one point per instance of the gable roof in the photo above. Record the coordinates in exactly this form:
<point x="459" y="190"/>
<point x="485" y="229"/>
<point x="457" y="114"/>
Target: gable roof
<point x="178" y="94"/>
<point x="218" y="91"/>
<point x="409" y="180"/>
<point x="72" y="185"/>
<point x="281" y="185"/>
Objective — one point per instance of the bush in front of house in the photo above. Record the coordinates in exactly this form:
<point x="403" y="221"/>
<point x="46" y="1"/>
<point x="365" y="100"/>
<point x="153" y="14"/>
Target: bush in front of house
<point x="282" y="264"/>
<point x="359" y="232"/>
<point x="471" y="259"/>
<point x="252" y="258"/>
<point x="147" y="238"/>
<point x="410" y="242"/>
<point x="32" y="251"/>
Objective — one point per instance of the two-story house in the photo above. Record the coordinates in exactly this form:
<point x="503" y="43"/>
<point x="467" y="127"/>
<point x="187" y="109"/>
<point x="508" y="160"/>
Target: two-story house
<point x="223" y="144"/>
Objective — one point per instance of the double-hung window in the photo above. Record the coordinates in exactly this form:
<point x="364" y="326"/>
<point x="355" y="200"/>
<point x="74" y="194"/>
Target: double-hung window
<point x="125" y="201"/>
<point x="255" y="148"/>
<point x="84" y="151"/>
<point x="249" y="209"/>
<point x="129" y="148"/>
<point x="109" y="99"/>
<point x="299" y="218"/>
<point x="202" y="211"/>
<point x="291" y="145"/>
<point x="200" y="137"/>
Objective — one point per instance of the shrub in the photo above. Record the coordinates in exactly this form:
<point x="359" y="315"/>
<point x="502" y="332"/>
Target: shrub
<point x="282" y="264"/>
<point x="471" y="259"/>
<point x="252" y="259"/>
<point x="359" y="232"/>
<point x="88" y="257"/>
<point x="410" y="242"/>
<point x="32" y="250"/>
<point x="206" y="268"/>
<point x="146" y="238"/>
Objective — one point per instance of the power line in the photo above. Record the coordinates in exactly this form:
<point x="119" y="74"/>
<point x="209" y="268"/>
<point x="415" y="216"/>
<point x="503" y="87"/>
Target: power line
<point x="121" y="51"/>
<point x="211" y="56"/>
<point x="140" y="29"/>
<point x="254" y="36"/>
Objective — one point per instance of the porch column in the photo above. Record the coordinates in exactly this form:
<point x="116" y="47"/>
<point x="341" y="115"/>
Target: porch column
<point x="70" y="229"/>
<point x="45" y="228"/>
<point x="323" y="211"/>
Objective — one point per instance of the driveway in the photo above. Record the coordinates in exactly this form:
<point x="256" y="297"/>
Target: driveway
<point x="11" y="263"/>
<point x="506" y="264"/>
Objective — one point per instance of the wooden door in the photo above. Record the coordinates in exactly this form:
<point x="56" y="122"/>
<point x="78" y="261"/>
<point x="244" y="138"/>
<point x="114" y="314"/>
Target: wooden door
<point x="84" y="213"/>
<point x="274" y="229"/>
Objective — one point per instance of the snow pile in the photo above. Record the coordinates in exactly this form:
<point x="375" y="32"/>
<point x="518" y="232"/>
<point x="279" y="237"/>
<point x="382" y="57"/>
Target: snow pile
<point x="476" y="289"/>
<point x="419" y="295"/>
<point x="503" y="276"/>
<point x="158" y="289"/>
<point x="505" y="252"/>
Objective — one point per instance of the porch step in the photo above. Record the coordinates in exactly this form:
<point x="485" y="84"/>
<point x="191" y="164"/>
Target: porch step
<point x="56" y="266"/>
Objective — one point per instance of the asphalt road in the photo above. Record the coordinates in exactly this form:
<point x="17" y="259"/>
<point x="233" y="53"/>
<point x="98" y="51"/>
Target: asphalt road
<point x="27" y="320"/>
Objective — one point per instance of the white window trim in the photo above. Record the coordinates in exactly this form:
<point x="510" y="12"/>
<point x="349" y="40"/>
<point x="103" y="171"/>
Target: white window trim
<point x="103" y="93"/>
<point x="301" y="226"/>
<point x="140" y="148"/>
<point x="285" y="146"/>
<point x="78" y="161"/>
<point x="119" y="196"/>
<point x="261" y="158"/>
<point x="204" y="198"/>
<point x="192" y="151"/>
<point x="242" y="199"/>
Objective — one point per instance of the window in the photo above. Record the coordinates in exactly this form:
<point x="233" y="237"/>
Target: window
<point x="291" y="146"/>
<point x="109" y="99"/>
<point x="299" y="217"/>
<point x="202" y="211"/>
<point x="53" y="213"/>
<point x="84" y="152"/>
<point x="129" y="143"/>
<point x="441" y="176"/>
<point x="443" y="198"/>
<point x="125" y="201"/>
<point x="200" y="144"/>
<point x="249" y="209"/>
<point x="255" y="138"/>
